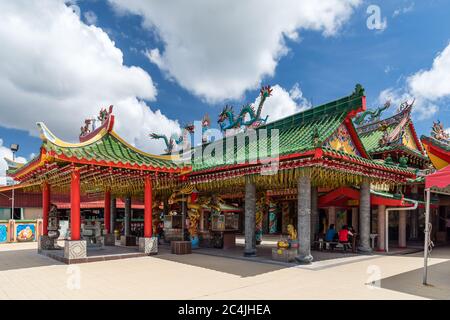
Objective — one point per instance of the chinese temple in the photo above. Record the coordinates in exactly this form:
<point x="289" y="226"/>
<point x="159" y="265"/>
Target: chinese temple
<point x="437" y="146"/>
<point x="334" y="164"/>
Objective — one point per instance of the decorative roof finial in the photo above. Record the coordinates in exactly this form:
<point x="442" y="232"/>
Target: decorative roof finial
<point x="439" y="133"/>
<point x="359" y="91"/>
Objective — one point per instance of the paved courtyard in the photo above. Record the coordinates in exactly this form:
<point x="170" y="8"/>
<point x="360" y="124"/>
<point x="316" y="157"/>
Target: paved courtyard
<point x="24" y="274"/>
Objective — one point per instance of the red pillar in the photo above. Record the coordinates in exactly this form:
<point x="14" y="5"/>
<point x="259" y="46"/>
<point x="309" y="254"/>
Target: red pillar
<point x="148" y="224"/>
<point x="75" y="217"/>
<point x="45" y="207"/>
<point x="107" y="215"/>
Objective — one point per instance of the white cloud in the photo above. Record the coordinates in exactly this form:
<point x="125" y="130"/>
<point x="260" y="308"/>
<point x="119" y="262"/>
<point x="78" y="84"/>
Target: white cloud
<point x="56" y="69"/>
<point x="90" y="17"/>
<point x="220" y="49"/>
<point x="403" y="10"/>
<point x="428" y="87"/>
<point x="283" y="103"/>
<point x="423" y="108"/>
<point x="435" y="82"/>
<point x="5" y="152"/>
<point x="388" y="69"/>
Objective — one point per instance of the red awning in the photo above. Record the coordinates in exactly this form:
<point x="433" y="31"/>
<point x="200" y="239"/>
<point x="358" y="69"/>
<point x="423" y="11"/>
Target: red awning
<point x="439" y="179"/>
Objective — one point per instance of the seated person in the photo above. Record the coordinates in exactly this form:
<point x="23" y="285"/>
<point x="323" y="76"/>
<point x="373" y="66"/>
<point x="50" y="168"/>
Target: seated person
<point x="331" y="234"/>
<point x="351" y="234"/>
<point x="343" y="236"/>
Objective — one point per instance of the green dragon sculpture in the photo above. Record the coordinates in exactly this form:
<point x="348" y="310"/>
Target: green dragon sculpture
<point x="373" y="115"/>
<point x="239" y="121"/>
<point x="187" y="130"/>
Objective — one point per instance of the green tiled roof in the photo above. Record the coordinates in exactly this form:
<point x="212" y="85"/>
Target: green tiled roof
<point x="298" y="133"/>
<point x="370" y="136"/>
<point x="110" y="148"/>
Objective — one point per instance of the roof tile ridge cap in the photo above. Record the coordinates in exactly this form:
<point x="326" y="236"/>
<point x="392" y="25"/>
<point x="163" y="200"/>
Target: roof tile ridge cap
<point x="47" y="136"/>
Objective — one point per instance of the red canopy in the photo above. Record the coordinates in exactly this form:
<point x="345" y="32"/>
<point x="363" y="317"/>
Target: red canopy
<point x="439" y="179"/>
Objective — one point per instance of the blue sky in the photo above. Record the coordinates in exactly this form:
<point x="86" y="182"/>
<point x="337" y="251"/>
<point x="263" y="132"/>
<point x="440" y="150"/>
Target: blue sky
<point x="323" y="67"/>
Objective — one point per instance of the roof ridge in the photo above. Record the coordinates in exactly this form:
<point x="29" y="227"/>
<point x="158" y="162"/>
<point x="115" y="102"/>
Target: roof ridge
<point x="405" y="112"/>
<point x="344" y="104"/>
<point x="47" y="136"/>
<point x="334" y="108"/>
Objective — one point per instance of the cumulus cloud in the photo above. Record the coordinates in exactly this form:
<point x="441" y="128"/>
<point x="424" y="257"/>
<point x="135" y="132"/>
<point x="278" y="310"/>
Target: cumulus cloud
<point x="428" y="87"/>
<point x="90" y="17"/>
<point x="220" y="49"/>
<point x="435" y="82"/>
<point x="283" y="103"/>
<point x="5" y="152"/>
<point x="56" y="69"/>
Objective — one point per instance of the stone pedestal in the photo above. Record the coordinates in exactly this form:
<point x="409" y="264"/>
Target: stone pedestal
<point x="75" y="249"/>
<point x="284" y="255"/>
<point x="148" y="245"/>
<point x="109" y="239"/>
<point x="128" y="241"/>
<point x="46" y="243"/>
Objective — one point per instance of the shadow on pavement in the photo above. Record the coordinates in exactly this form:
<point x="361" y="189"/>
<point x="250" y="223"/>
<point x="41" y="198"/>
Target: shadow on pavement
<point x="411" y="282"/>
<point x="243" y="268"/>
<point x="22" y="259"/>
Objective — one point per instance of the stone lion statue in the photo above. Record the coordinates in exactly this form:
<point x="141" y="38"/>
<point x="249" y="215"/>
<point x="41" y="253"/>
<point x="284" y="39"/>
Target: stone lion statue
<point x="292" y="232"/>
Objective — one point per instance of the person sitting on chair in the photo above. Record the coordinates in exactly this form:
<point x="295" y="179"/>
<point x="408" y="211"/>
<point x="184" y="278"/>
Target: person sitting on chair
<point x="343" y="237"/>
<point x="330" y="235"/>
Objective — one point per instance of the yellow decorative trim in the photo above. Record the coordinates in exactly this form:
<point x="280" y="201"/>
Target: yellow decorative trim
<point x="169" y="157"/>
<point x="47" y="136"/>
<point x="41" y="162"/>
<point x="18" y="186"/>
<point x="408" y="140"/>
<point x="437" y="162"/>
<point x="18" y="164"/>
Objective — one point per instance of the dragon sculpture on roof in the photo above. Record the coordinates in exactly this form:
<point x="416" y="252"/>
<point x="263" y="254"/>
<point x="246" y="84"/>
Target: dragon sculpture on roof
<point x="371" y="115"/>
<point x="439" y="133"/>
<point x="187" y="130"/>
<point x="247" y="110"/>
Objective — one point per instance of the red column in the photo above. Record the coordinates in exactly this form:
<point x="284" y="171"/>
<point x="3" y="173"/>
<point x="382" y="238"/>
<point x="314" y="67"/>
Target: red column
<point x="107" y="214"/>
<point x="148" y="224"/>
<point x="75" y="217"/>
<point x="45" y="207"/>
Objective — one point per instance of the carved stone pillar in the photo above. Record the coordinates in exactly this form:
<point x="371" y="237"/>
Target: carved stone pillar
<point x="314" y="213"/>
<point x="304" y="220"/>
<point x="364" y="217"/>
<point x="250" y="215"/>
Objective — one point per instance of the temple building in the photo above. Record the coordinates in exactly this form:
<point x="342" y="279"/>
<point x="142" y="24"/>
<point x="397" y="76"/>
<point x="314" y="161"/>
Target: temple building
<point x="394" y="140"/>
<point x="437" y="146"/>
<point x="335" y="164"/>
